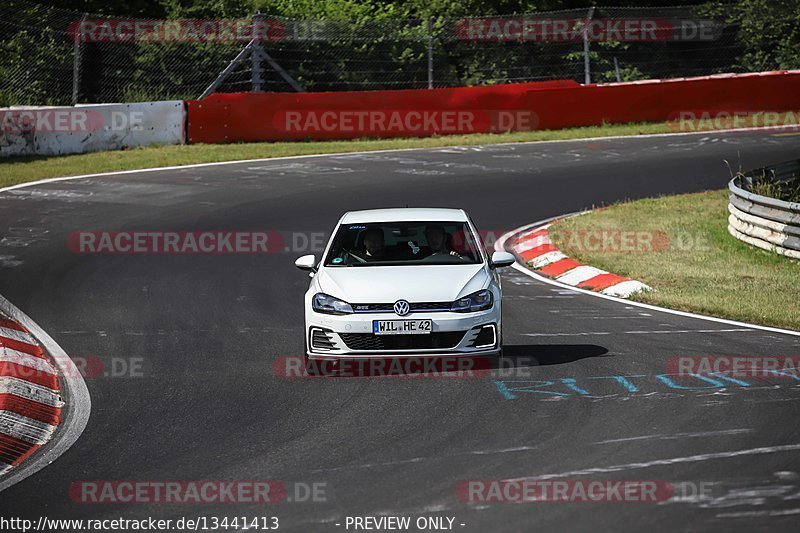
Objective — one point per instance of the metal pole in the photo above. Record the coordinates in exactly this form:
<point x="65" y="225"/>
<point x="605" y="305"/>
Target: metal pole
<point x="279" y="69"/>
<point x="616" y="69"/>
<point x="76" y="62"/>
<point x="430" y="53"/>
<point x="255" y="56"/>
<point x="587" y="73"/>
<point x="224" y="74"/>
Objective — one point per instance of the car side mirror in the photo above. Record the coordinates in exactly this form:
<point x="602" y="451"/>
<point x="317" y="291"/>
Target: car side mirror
<point x="307" y="262"/>
<point x="502" y="259"/>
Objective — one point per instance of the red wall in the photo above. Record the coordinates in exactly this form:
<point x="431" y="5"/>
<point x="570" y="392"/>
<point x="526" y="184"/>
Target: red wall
<point x="235" y="117"/>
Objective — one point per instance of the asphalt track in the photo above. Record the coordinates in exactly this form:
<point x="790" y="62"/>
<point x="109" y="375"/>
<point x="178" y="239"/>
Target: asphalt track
<point x="208" y="327"/>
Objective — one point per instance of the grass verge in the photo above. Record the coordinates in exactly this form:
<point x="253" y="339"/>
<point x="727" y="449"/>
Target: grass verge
<point x="20" y="169"/>
<point x="698" y="267"/>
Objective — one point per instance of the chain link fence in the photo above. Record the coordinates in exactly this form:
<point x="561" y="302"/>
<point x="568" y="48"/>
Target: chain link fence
<point x="50" y="56"/>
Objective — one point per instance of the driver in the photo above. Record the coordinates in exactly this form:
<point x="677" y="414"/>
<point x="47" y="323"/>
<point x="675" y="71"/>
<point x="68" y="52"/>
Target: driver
<point x="437" y="240"/>
<point x="373" y="243"/>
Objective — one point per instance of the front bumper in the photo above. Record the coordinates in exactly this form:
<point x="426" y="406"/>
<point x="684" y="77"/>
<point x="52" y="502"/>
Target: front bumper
<point x="452" y="334"/>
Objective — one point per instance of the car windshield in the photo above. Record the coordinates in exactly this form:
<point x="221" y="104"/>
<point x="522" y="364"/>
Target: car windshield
<point x="403" y="243"/>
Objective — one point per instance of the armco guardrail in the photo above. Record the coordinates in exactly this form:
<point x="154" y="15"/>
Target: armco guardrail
<point x="767" y="223"/>
<point x="90" y="128"/>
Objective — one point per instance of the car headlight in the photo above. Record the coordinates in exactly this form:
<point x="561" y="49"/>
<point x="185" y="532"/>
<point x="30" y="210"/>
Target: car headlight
<point x="477" y="301"/>
<point x="322" y="303"/>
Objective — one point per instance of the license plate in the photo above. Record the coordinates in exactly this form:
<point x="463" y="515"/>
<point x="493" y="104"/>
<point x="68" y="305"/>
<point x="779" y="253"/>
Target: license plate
<point x="401" y="327"/>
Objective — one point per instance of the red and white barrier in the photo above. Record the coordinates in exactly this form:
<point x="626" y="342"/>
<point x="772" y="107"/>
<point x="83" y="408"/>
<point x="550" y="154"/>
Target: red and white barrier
<point x="30" y="403"/>
<point x="539" y="253"/>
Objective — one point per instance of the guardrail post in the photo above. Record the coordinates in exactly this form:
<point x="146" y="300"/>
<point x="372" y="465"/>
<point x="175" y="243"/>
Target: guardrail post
<point x="256" y="55"/>
<point x="430" y="53"/>
<point x="76" y="62"/>
<point x="587" y="73"/>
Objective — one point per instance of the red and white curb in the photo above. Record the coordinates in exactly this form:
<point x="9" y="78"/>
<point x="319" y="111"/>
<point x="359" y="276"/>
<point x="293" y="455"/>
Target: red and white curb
<point x="30" y="400"/>
<point x="534" y="247"/>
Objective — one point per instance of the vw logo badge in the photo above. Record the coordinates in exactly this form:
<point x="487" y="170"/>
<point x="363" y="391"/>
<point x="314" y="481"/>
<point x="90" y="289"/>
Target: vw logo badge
<point x="402" y="308"/>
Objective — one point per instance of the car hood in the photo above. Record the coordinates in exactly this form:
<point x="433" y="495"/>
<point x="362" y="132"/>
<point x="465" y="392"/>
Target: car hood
<point x="387" y="284"/>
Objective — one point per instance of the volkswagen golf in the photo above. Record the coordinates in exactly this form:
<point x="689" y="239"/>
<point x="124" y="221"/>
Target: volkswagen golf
<point x="403" y="282"/>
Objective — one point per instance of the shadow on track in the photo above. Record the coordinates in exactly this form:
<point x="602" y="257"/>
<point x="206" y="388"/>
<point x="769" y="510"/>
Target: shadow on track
<point x="525" y="355"/>
<point x="514" y="356"/>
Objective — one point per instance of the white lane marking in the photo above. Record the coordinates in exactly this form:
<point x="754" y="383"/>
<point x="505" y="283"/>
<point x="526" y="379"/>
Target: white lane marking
<point x="430" y="150"/>
<point x="690" y="331"/>
<point x="665" y="462"/>
<point x="582" y="334"/>
<point x="580" y="274"/>
<point x="17" y="335"/>
<point x="538" y="297"/>
<point x="9" y="261"/>
<point x="515" y="449"/>
<point x="29" y="391"/>
<point x="24" y="428"/>
<point x="546" y="259"/>
<point x="635" y="332"/>
<point x="27" y="360"/>
<point x="499" y="245"/>
<point x="756" y="514"/>
<point x="626" y="288"/>
<point x="673" y="436"/>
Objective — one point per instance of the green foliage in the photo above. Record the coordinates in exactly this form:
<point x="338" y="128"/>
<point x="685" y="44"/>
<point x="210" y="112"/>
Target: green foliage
<point x="768" y="31"/>
<point x="36" y="53"/>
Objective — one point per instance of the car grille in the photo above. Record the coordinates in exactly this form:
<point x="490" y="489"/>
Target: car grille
<point x="368" y="341"/>
<point x="415" y="307"/>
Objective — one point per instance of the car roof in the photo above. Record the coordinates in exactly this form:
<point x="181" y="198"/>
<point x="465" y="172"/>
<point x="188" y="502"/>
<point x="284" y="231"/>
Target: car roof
<point x="405" y="214"/>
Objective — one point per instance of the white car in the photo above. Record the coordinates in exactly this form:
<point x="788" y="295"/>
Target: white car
<point x="403" y="282"/>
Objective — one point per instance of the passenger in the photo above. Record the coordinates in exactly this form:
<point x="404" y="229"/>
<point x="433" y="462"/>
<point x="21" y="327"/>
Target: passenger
<point x="437" y="239"/>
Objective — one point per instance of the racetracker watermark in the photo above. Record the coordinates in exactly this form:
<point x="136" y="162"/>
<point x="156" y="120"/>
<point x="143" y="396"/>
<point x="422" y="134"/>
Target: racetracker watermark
<point x="563" y="491"/>
<point x="443" y="367"/>
<point x="703" y="120"/>
<point x="642" y="240"/>
<point x="531" y="29"/>
<point x="198" y="492"/>
<point x="94" y="367"/>
<point x="74" y="120"/>
<point x="375" y="121"/>
<point x="175" y="242"/>
<point x="178" y="30"/>
<point x="611" y="240"/>
<point x="736" y="365"/>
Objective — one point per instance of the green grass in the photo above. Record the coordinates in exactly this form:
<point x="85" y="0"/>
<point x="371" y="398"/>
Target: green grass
<point x="701" y="268"/>
<point x="20" y="169"/>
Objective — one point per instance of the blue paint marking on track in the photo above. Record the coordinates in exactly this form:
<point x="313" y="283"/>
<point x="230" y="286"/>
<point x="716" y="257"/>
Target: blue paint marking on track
<point x="633" y="383"/>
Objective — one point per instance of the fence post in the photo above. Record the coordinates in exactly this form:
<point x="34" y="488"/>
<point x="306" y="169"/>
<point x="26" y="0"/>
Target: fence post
<point x="256" y="55"/>
<point x="430" y="52"/>
<point x="76" y="61"/>
<point x="587" y="73"/>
